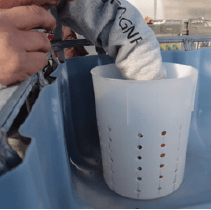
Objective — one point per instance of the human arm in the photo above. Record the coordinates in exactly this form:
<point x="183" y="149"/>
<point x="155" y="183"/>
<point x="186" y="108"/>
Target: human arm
<point x="119" y="28"/>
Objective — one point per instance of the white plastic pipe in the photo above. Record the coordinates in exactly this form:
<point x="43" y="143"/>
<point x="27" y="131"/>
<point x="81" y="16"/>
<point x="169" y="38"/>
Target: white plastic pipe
<point x="155" y="9"/>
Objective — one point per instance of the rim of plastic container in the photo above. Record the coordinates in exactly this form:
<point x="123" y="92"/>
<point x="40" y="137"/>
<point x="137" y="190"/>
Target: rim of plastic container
<point x="193" y="74"/>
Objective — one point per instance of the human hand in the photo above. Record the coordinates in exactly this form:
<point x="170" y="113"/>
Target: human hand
<point x="22" y="51"/>
<point x="148" y="20"/>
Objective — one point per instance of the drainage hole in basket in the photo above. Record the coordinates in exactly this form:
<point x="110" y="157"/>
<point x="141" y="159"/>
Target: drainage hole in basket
<point x="139" y="147"/>
<point x="139" y="178"/>
<point x="138" y="191"/>
<point x="111" y="160"/>
<point x="139" y="168"/>
<point x="110" y="139"/>
<point x="140" y="135"/>
<point x="163" y="145"/>
<point x="163" y="155"/>
<point x="161" y="177"/>
<point x="163" y="133"/>
<point x="109" y="128"/>
<point x="159" y="188"/>
<point x="139" y="157"/>
<point x="161" y="165"/>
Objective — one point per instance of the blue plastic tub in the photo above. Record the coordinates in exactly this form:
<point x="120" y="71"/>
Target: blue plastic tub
<point x="62" y="167"/>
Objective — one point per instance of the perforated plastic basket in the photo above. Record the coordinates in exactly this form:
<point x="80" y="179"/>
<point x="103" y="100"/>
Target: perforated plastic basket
<point x="143" y="129"/>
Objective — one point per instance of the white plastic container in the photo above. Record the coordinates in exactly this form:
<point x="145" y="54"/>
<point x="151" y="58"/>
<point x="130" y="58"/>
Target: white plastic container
<point x="143" y="129"/>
